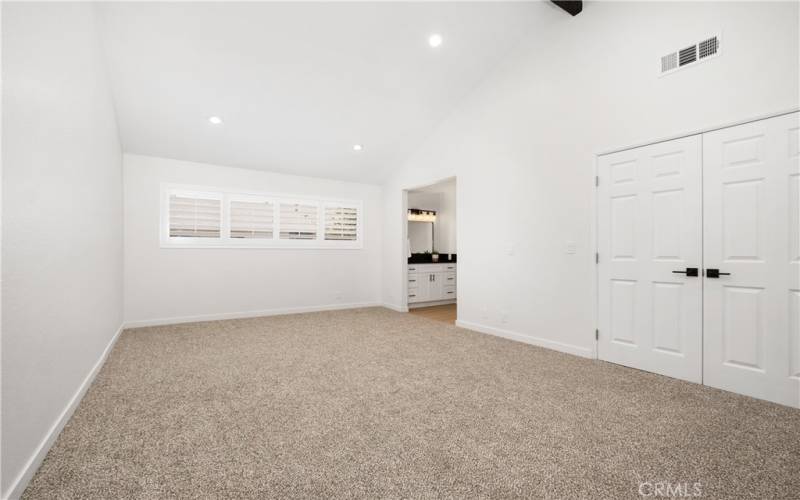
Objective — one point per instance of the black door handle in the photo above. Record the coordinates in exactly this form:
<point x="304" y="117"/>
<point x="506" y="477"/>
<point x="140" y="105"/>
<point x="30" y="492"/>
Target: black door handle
<point x="714" y="273"/>
<point x="690" y="271"/>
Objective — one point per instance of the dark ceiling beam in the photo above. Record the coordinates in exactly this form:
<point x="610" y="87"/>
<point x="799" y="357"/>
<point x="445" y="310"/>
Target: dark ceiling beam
<point x="572" y="6"/>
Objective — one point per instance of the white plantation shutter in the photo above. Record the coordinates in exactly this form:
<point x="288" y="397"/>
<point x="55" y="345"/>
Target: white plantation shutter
<point x="299" y="221"/>
<point x="341" y="223"/>
<point x="251" y="219"/>
<point x="208" y="217"/>
<point x="194" y="217"/>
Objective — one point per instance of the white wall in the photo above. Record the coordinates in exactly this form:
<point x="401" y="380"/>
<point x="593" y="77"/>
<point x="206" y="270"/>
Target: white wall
<point x="523" y="145"/>
<point x="173" y="284"/>
<point x="62" y="214"/>
<point x="447" y="218"/>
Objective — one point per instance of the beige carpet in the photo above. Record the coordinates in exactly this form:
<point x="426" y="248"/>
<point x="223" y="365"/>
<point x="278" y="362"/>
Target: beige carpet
<point x="376" y="404"/>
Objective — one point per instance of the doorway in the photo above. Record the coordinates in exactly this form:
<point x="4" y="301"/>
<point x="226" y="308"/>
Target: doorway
<point x="431" y="269"/>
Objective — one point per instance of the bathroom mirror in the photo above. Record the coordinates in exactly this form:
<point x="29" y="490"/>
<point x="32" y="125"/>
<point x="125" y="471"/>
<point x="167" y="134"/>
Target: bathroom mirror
<point x="420" y="236"/>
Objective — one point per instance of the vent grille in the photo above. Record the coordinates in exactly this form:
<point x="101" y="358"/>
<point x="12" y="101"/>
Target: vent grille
<point x="708" y="47"/>
<point x="690" y="55"/>
<point x="669" y="61"/>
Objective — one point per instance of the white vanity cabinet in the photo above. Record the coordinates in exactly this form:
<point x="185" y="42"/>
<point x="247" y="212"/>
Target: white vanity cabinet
<point x="431" y="282"/>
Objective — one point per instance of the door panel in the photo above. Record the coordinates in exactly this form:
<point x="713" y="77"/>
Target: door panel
<point x="436" y="286"/>
<point x="667" y="327"/>
<point x="751" y="224"/>
<point x="743" y="312"/>
<point x="649" y="226"/>
<point x="623" y="304"/>
<point x="422" y="291"/>
<point x="794" y="333"/>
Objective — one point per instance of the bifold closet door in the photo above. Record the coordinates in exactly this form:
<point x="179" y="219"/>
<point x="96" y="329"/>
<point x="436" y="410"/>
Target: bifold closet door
<point x="649" y="241"/>
<point x="751" y="177"/>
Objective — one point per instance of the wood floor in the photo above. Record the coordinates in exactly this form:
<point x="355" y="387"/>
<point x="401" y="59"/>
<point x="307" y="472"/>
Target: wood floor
<point x="445" y="313"/>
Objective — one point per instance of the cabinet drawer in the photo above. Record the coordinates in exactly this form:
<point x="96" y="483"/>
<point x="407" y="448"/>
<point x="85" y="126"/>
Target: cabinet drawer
<point x="450" y="267"/>
<point x="412" y="282"/>
<point x="449" y="278"/>
<point x="449" y="292"/>
<point x="426" y="268"/>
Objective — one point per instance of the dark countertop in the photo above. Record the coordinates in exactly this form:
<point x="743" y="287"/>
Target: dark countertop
<point x="425" y="258"/>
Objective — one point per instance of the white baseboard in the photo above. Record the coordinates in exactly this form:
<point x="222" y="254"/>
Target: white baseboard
<point x="528" y="339"/>
<point x="246" y="314"/>
<point x="21" y="482"/>
<point x="395" y="307"/>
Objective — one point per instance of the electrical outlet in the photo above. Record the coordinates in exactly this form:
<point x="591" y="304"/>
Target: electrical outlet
<point x="571" y="247"/>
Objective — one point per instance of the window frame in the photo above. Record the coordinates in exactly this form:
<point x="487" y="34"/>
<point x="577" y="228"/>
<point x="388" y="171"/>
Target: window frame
<point x="226" y="195"/>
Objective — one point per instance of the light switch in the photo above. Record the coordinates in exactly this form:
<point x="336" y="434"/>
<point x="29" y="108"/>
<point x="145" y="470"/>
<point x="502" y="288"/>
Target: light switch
<point x="571" y="247"/>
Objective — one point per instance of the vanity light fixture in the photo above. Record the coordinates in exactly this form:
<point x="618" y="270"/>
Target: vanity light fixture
<point x="417" y="215"/>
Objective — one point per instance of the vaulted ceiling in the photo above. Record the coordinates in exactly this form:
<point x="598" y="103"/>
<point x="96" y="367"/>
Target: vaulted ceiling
<point x="297" y="85"/>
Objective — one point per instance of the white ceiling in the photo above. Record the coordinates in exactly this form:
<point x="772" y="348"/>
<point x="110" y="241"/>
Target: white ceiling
<point x="298" y="84"/>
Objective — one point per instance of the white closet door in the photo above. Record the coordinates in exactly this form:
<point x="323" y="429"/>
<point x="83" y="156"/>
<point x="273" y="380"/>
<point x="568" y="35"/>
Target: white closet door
<point x="649" y="213"/>
<point x="752" y="231"/>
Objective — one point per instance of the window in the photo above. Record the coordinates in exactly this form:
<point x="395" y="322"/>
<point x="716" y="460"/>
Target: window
<point x="220" y="218"/>
<point x="252" y="219"/>
<point x="341" y="223"/>
<point x="298" y="221"/>
<point x="194" y="216"/>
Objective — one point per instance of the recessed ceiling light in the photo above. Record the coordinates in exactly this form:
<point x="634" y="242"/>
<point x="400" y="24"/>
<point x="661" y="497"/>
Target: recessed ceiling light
<point x="216" y="120"/>
<point x="357" y="147"/>
<point x="435" y="40"/>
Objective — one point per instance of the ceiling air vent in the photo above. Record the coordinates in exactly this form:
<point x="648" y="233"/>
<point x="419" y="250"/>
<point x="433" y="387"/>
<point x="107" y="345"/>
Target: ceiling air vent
<point x="669" y="61"/>
<point x="690" y="55"/>
<point x="708" y="47"/>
